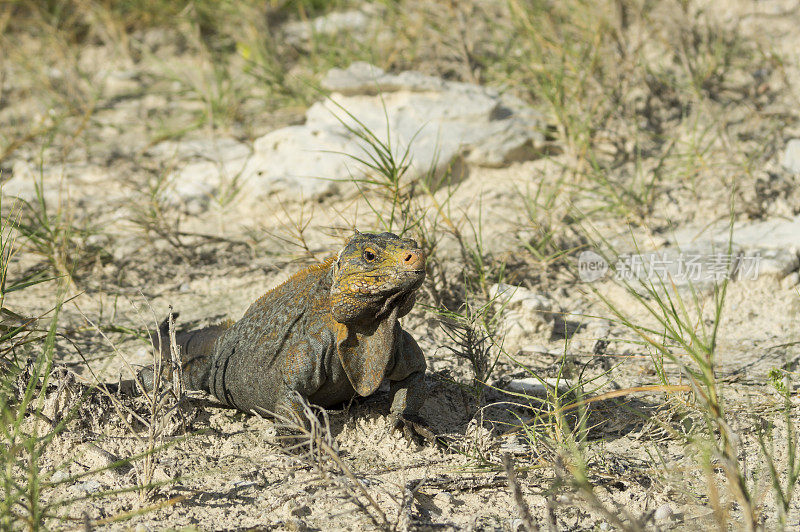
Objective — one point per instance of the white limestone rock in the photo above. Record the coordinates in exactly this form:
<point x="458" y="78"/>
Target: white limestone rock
<point x="56" y="183"/>
<point x="776" y="233"/>
<point x="700" y="265"/>
<point x="443" y="125"/>
<point x="539" y="388"/>
<point x="790" y="281"/>
<point x="203" y="167"/>
<point x="663" y="513"/>
<point x="777" y="263"/>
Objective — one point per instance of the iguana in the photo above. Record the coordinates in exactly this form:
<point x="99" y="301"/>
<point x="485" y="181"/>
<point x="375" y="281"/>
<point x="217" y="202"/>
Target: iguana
<point x="329" y="333"/>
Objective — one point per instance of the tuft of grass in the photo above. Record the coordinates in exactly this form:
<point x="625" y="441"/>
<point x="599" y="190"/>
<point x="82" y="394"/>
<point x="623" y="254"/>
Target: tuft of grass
<point x="542" y="239"/>
<point x="783" y="479"/>
<point x="30" y="477"/>
<point x="52" y="233"/>
<point x="166" y="402"/>
<point x="157" y="217"/>
<point x="309" y="439"/>
<point x="681" y="331"/>
<point x="640" y="95"/>
<point x="685" y="332"/>
<point x="15" y="330"/>
<point x="472" y="332"/>
<point x="385" y="168"/>
<point x="24" y="442"/>
<point x="25" y="432"/>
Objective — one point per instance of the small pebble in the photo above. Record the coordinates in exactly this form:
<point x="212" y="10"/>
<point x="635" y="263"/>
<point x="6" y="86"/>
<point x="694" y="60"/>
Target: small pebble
<point x="90" y="486"/>
<point x="443" y="498"/>
<point x="512" y="444"/>
<point x="292" y="510"/>
<point x="98" y="240"/>
<point x="790" y="281"/>
<point x="294" y="524"/>
<point x="663" y="512"/>
<point x="534" y="386"/>
<point x="533" y="349"/>
<point x="791" y="156"/>
<point x="59" y="476"/>
<point x="598" y="328"/>
<point x="301" y="511"/>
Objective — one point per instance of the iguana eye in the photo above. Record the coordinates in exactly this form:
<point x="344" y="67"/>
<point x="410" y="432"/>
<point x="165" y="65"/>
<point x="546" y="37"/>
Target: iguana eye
<point x="369" y="256"/>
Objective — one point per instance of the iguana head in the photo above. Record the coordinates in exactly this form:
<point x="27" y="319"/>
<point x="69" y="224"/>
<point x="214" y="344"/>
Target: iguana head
<point x="374" y="273"/>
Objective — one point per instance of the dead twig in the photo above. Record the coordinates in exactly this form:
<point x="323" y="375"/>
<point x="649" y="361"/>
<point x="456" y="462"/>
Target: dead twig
<point x="516" y="492"/>
<point x="674" y="388"/>
<point x="322" y="455"/>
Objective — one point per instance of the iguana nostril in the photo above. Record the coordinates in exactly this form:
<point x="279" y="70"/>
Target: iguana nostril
<point x="413" y="258"/>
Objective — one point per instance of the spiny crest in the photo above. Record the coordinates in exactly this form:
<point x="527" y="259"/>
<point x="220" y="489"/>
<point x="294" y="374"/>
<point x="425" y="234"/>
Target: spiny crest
<point x="321" y="266"/>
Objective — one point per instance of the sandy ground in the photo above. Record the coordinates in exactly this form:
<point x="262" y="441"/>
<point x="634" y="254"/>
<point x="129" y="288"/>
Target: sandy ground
<point x="223" y="469"/>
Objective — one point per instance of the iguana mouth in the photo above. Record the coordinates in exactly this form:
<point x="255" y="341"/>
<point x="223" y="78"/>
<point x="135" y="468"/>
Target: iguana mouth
<point x="396" y="280"/>
<point x="395" y="272"/>
<point x="388" y="292"/>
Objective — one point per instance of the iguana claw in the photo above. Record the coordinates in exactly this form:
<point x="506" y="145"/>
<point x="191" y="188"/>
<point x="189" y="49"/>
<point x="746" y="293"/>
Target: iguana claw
<point x="413" y="427"/>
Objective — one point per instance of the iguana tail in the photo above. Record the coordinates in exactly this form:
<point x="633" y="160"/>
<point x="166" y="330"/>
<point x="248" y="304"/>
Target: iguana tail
<point x="195" y="347"/>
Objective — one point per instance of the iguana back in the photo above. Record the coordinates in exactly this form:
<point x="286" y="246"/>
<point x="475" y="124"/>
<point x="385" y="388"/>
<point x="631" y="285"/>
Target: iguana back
<point x="273" y="343"/>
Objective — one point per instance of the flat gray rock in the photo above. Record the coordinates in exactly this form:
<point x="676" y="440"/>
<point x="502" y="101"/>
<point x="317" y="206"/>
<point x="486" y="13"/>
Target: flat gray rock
<point x="769" y="234"/>
<point x="364" y="78"/>
<point x="700" y="265"/>
<point x="517" y="297"/>
<point x="774" y="245"/>
<point x="777" y="263"/>
<point x="57" y="181"/>
<point x="777" y="233"/>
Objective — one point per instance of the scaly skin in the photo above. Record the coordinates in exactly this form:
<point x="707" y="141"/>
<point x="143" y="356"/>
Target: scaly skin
<point x="329" y="333"/>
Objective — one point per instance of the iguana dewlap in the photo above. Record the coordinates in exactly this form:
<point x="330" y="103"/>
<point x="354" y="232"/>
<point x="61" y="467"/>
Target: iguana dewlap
<point x="329" y="333"/>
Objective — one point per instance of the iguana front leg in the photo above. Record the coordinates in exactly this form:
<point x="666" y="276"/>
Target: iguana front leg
<point x="408" y="390"/>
